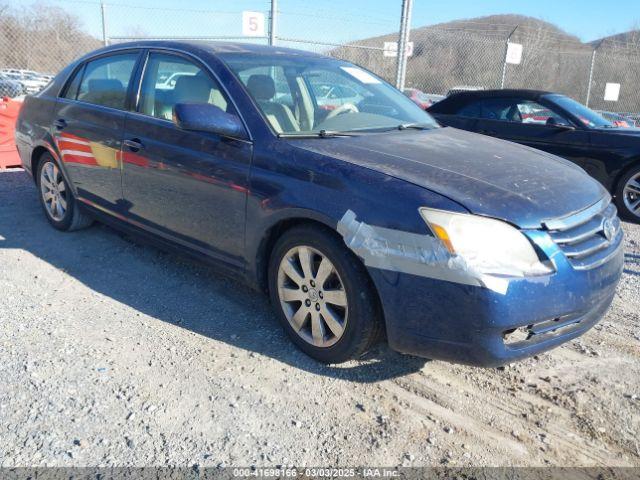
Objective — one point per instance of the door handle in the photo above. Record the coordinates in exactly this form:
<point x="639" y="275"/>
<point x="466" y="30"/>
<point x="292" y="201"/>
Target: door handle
<point x="60" y="123"/>
<point x="133" y="144"/>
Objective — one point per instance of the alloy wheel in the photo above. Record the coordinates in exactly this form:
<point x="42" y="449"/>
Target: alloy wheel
<point x="54" y="191"/>
<point x="312" y="296"/>
<point x="631" y="195"/>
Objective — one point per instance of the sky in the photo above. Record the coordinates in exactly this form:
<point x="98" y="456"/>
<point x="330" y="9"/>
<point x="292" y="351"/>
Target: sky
<point x="338" y="20"/>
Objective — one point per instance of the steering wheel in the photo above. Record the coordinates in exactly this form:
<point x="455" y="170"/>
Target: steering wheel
<point x="344" y="108"/>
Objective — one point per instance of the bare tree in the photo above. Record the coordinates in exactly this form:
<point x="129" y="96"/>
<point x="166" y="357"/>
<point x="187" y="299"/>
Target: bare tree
<point x="42" y="38"/>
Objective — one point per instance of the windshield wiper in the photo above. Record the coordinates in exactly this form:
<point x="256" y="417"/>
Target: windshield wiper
<point x="320" y="134"/>
<point x="415" y="126"/>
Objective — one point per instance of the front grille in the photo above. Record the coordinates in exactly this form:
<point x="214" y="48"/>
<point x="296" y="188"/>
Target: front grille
<point x="588" y="238"/>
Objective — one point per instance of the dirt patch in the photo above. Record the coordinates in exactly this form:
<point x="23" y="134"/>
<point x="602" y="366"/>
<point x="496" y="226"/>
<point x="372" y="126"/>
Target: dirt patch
<point x="114" y="353"/>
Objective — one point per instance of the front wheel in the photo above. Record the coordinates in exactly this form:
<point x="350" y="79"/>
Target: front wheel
<point x="323" y="295"/>
<point x="58" y="202"/>
<point x="628" y="195"/>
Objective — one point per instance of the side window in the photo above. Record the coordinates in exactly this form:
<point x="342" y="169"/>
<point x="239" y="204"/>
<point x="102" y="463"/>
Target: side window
<point x="533" y="112"/>
<point x="72" y="87"/>
<point x="501" y="109"/>
<point x="471" y="110"/>
<point x="170" y="79"/>
<point x="106" y="79"/>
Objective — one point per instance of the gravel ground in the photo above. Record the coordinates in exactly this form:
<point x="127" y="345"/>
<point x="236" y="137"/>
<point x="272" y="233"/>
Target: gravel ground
<point x="114" y="353"/>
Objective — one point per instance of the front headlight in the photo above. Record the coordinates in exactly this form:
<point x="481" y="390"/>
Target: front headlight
<point x="487" y="246"/>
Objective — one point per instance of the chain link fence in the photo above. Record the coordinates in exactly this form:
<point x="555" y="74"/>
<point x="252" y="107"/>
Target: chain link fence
<point x="38" y="40"/>
<point x="616" y="64"/>
<point x="35" y="42"/>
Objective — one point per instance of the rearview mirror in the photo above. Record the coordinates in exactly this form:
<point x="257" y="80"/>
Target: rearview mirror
<point x="552" y="122"/>
<point x="204" y="117"/>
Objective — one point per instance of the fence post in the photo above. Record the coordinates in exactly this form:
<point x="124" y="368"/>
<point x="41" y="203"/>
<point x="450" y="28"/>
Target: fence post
<point x="504" y="63"/>
<point x="272" y="22"/>
<point x="593" y="62"/>
<point x="403" y="39"/>
<point x="105" y="38"/>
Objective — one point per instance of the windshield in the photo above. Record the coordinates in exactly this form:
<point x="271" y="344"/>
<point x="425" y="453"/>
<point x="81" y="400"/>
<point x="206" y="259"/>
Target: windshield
<point x="313" y="95"/>
<point x="587" y="116"/>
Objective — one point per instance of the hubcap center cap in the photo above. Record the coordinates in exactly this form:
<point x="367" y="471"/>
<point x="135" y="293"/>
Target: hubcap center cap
<point x="313" y="295"/>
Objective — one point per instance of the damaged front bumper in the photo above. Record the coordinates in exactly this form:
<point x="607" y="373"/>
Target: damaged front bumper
<point x="436" y="306"/>
<point x="479" y="326"/>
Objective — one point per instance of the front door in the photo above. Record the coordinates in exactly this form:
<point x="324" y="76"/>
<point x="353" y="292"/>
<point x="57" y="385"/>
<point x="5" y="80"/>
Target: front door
<point x="88" y="125"/>
<point x="189" y="187"/>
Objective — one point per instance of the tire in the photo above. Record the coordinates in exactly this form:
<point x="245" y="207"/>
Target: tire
<point x="628" y="195"/>
<point x="71" y="216"/>
<point x="320" y="303"/>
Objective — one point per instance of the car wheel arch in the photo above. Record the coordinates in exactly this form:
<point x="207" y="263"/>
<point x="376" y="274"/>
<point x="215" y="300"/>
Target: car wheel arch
<point x="36" y="157"/>
<point x="278" y="229"/>
<point x="271" y="236"/>
<point x="632" y="164"/>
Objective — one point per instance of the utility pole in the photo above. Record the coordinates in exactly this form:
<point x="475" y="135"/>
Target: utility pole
<point x="593" y="62"/>
<point x="403" y="40"/>
<point x="506" y="51"/>
<point x="272" y="22"/>
<point x="103" y="10"/>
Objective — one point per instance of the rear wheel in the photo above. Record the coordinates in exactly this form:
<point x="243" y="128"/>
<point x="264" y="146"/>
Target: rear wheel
<point x="323" y="295"/>
<point x="628" y="195"/>
<point x="58" y="202"/>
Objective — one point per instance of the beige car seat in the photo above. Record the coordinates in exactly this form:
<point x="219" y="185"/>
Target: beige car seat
<point x="280" y="116"/>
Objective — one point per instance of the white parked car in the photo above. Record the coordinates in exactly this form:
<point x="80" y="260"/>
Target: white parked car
<point x="31" y="81"/>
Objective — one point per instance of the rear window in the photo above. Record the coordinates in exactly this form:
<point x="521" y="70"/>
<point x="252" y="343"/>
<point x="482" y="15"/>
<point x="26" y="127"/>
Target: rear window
<point x="105" y="80"/>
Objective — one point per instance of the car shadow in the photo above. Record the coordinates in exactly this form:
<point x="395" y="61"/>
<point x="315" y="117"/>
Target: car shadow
<point x="629" y="260"/>
<point x="171" y="288"/>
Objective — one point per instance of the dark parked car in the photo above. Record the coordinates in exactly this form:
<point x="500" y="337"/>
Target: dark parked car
<point x="357" y="220"/>
<point x="558" y="125"/>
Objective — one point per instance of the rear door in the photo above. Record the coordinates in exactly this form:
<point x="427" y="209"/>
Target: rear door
<point x="88" y="126"/>
<point x="188" y="187"/>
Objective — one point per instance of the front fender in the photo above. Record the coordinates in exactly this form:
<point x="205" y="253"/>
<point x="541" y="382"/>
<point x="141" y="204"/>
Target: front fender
<point x="288" y="185"/>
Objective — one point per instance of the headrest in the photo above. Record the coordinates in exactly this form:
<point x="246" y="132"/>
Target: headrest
<point x="192" y="89"/>
<point x="105" y="85"/>
<point x="262" y="87"/>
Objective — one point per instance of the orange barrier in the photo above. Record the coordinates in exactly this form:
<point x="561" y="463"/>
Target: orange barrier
<point x="9" y="109"/>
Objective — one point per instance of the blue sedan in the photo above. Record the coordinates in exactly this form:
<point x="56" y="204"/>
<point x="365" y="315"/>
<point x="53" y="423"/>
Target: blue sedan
<point x="360" y="220"/>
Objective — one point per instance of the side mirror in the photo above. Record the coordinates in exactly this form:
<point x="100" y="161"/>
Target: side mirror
<point x="552" y="122"/>
<point x="204" y="117"/>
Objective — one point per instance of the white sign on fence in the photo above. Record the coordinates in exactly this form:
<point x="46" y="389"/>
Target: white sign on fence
<point x="391" y="49"/>
<point x="253" y="24"/>
<point x="612" y="92"/>
<point x="514" y="53"/>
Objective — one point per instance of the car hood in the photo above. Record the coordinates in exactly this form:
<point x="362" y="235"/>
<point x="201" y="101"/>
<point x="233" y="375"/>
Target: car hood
<point x="487" y="176"/>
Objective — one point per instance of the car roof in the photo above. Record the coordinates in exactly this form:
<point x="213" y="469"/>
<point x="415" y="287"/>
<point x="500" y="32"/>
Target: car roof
<point x="212" y="47"/>
<point x="460" y="99"/>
